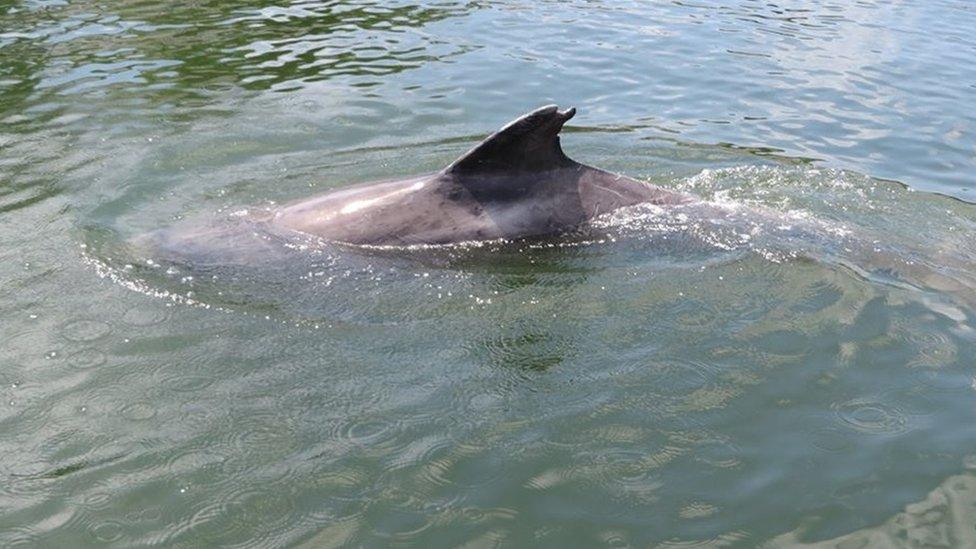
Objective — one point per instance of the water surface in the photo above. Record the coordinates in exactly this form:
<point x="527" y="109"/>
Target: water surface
<point x="796" y="370"/>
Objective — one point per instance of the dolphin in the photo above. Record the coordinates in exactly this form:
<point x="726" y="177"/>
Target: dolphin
<point x="517" y="183"/>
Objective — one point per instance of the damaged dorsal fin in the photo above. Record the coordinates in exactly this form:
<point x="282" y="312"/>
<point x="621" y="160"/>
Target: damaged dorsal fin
<point x="528" y="144"/>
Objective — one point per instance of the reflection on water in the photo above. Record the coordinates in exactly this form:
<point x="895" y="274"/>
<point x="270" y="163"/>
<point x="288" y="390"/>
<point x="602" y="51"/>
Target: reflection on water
<point x="789" y="362"/>
<point x="188" y="54"/>
<point x="943" y="519"/>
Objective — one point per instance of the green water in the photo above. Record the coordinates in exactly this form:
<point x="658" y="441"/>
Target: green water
<point x="797" y="369"/>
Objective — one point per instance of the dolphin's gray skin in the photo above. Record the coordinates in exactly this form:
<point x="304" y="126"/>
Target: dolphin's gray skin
<point x="516" y="183"/>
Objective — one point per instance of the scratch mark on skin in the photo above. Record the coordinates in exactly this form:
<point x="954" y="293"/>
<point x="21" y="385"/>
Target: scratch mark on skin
<point x="358" y="205"/>
<point x="609" y="190"/>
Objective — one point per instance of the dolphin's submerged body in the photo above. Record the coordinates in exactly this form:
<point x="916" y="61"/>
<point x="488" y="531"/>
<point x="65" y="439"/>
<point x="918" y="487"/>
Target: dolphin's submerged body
<point x="515" y="184"/>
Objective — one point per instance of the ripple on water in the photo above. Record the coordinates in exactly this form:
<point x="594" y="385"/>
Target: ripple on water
<point x="723" y="540"/>
<point x="871" y="416"/>
<point x="337" y="532"/>
<point x="481" y="514"/>
<point x="615" y="538"/>
<point x="717" y="452"/>
<point x="98" y="500"/>
<point x="913" y="401"/>
<point x="20" y="536"/>
<point x="933" y="349"/>
<point x="694" y="316"/>
<point x="366" y="432"/>
<point x="526" y="350"/>
<point x="436" y="473"/>
<point x="340" y="482"/>
<point x="634" y="474"/>
<point x="628" y="475"/>
<point x="200" y="416"/>
<point x="206" y="523"/>
<point x="86" y="358"/>
<point x="259" y="451"/>
<point x="467" y="467"/>
<point x="145" y="526"/>
<point x="400" y="525"/>
<point x="185" y="383"/>
<point x="680" y="376"/>
<point x="419" y="452"/>
<point x="202" y="465"/>
<point x="138" y="411"/>
<point x="108" y="531"/>
<point x="85" y="330"/>
<point x="243" y="516"/>
<point x="265" y="435"/>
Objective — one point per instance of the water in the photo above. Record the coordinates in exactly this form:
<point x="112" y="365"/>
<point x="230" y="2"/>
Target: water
<point x="795" y="370"/>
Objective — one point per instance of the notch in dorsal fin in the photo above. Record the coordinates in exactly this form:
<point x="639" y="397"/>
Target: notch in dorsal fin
<point x="528" y="144"/>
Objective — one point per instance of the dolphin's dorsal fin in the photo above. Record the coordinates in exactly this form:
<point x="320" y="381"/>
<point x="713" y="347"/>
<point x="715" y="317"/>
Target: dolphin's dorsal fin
<point x="528" y="144"/>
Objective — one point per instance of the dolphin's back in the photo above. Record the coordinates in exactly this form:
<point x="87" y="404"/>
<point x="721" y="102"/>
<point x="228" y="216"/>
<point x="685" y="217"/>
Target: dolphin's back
<point x="516" y="183"/>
